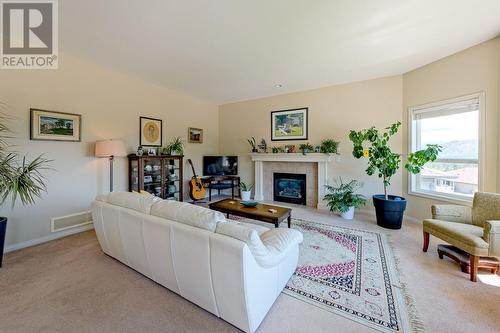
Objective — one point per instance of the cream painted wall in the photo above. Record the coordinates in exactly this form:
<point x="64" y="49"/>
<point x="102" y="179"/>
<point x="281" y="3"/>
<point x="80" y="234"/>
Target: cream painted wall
<point x="333" y="111"/>
<point x="473" y="70"/>
<point x="110" y="104"/>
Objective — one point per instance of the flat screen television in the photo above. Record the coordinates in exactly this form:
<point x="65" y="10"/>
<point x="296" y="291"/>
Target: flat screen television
<point x="220" y="165"/>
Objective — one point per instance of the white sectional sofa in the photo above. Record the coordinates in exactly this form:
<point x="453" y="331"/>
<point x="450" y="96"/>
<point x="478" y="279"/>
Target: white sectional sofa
<point x="234" y="270"/>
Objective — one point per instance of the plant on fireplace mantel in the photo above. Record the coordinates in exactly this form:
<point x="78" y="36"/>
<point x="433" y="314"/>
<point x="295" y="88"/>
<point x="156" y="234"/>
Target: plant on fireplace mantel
<point x="385" y="163"/>
<point x="305" y="147"/>
<point x="342" y="198"/>
<point x="329" y="146"/>
<point x="19" y="178"/>
<point x="253" y="144"/>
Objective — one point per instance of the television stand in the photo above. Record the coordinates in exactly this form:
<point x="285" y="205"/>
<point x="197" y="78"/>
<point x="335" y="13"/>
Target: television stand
<point x="222" y="182"/>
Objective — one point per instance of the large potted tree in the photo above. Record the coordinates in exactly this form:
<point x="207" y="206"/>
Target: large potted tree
<point x="385" y="163"/>
<point x="19" y="178"/>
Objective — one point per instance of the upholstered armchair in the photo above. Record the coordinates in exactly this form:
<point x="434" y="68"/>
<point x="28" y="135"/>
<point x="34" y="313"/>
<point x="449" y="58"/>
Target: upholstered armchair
<point x="474" y="230"/>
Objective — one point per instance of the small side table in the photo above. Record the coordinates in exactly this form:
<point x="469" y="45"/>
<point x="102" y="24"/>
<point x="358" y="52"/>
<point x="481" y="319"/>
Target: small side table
<point x="462" y="258"/>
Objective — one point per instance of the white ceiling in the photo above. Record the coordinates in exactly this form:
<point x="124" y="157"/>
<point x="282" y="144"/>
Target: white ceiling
<point x="231" y="50"/>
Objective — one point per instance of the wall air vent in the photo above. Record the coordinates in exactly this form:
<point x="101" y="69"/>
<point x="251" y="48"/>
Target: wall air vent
<point x="71" y="221"/>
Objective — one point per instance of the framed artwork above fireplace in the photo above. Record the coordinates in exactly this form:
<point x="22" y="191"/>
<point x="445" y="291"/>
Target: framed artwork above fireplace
<point x="289" y="124"/>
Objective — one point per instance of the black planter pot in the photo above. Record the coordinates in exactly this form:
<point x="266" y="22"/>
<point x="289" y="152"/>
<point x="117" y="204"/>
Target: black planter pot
<point x="389" y="212"/>
<point x="3" y="229"/>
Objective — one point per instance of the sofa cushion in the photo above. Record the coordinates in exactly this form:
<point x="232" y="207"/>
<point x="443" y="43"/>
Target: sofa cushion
<point x="467" y="234"/>
<point x="187" y="213"/>
<point x="259" y="228"/>
<point x="135" y="201"/>
<point x="269" y="248"/>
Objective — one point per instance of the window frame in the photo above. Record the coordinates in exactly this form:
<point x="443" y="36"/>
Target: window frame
<point x="412" y="142"/>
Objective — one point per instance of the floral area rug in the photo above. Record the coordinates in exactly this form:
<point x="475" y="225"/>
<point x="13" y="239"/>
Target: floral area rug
<point x="352" y="273"/>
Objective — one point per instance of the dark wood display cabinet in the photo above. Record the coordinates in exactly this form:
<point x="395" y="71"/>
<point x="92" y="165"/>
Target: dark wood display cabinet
<point x="159" y="175"/>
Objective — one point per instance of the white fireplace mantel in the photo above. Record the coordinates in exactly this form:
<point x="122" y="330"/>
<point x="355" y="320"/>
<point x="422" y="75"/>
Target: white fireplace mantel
<point x="321" y="159"/>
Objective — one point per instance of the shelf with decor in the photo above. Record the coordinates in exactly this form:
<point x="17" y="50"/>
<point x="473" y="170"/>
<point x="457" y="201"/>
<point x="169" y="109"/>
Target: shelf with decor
<point x="158" y="175"/>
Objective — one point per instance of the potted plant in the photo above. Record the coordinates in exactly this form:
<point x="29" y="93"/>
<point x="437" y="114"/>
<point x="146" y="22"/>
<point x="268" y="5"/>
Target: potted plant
<point x="305" y="147"/>
<point x="246" y="191"/>
<point x="329" y="146"/>
<point x="19" y="178"/>
<point x="253" y="144"/>
<point x="385" y="163"/>
<point x="176" y="147"/>
<point x="342" y="198"/>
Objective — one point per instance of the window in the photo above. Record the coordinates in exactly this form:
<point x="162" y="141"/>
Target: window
<point x="455" y="125"/>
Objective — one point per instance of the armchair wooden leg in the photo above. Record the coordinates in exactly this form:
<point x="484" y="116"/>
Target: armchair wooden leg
<point x="474" y="261"/>
<point x="426" y="241"/>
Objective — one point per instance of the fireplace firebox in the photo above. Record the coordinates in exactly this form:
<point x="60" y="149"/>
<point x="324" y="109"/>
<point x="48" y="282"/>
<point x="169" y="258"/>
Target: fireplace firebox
<point x="290" y="187"/>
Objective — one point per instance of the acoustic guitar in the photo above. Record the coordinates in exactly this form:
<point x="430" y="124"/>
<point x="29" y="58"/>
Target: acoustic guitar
<point x="196" y="189"/>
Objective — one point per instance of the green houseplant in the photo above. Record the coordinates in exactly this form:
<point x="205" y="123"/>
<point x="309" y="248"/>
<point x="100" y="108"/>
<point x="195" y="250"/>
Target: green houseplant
<point x="19" y="178"/>
<point x="385" y="163"/>
<point x="329" y="146"/>
<point x="342" y="198"/>
<point x="305" y="147"/>
<point x="246" y="191"/>
<point x="176" y="147"/>
<point x="253" y="144"/>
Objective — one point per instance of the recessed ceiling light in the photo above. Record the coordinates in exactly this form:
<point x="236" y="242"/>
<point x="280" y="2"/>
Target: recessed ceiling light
<point x="278" y="85"/>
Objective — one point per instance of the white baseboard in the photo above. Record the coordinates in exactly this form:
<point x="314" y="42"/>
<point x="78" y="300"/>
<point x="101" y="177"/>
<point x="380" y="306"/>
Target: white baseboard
<point x="371" y="213"/>
<point x="51" y="237"/>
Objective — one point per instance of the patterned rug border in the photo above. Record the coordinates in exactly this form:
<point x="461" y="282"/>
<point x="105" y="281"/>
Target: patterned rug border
<point x="412" y="322"/>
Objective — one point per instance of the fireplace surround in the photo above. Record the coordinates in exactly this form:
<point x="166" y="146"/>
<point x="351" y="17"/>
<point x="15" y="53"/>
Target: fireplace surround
<point x="264" y="163"/>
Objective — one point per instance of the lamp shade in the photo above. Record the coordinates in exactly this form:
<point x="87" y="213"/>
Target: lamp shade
<point x="107" y="148"/>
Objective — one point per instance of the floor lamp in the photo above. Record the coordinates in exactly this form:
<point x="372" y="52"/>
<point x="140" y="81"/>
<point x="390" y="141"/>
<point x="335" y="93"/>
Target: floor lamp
<point x="110" y="149"/>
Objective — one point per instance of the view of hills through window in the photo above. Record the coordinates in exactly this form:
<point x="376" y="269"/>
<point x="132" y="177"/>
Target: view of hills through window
<point x="456" y="170"/>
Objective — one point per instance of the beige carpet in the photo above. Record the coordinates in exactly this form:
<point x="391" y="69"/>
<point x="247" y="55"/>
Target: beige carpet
<point x="69" y="285"/>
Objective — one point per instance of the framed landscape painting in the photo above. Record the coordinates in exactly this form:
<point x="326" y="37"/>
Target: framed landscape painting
<point x="150" y="132"/>
<point x="289" y="124"/>
<point x="195" y="135"/>
<point x="54" y="126"/>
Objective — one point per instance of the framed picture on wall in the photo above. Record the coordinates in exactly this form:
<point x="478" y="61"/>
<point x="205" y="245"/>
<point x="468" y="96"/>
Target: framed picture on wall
<point x="195" y="135"/>
<point x="289" y="124"/>
<point x="55" y="126"/>
<point x="150" y="132"/>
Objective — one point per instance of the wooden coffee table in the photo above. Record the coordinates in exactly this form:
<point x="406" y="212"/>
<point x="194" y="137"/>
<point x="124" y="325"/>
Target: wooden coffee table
<point x="260" y="212"/>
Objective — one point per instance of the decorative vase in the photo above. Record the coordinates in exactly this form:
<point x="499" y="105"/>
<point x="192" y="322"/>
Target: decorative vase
<point x="305" y="151"/>
<point x="255" y="150"/>
<point x="140" y="151"/>
<point x="349" y="215"/>
<point x="245" y="195"/>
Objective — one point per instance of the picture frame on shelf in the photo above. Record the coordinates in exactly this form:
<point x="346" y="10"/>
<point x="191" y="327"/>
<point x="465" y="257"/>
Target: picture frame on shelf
<point x="150" y="132"/>
<point x="195" y="135"/>
<point x="289" y="124"/>
<point x="151" y="152"/>
<point x="48" y="125"/>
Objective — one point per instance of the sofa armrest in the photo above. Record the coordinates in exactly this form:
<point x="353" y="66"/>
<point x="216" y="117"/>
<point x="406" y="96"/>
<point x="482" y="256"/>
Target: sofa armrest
<point x="491" y="235"/>
<point x="278" y="242"/>
<point x="452" y="213"/>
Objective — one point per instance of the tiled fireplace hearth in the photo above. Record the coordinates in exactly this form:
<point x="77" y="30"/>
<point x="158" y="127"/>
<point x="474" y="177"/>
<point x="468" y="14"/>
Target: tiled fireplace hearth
<point x="313" y="166"/>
